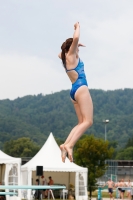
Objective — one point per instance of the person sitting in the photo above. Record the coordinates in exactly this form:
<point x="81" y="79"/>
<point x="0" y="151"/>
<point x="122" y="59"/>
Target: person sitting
<point x="51" y="182"/>
<point x="37" y="193"/>
<point x="44" y="191"/>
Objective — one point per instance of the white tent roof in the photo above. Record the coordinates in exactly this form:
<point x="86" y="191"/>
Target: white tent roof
<point x="49" y="157"/>
<point x="4" y="159"/>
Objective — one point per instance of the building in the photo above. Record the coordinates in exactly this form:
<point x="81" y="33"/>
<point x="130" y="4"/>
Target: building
<point x="117" y="170"/>
<point x="125" y="170"/>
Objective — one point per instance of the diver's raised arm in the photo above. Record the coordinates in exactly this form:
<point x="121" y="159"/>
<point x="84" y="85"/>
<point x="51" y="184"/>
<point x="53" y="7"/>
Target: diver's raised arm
<point x="76" y="36"/>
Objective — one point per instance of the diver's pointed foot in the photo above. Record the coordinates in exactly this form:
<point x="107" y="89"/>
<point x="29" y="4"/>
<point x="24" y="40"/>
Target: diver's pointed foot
<point x="63" y="153"/>
<point x="70" y="152"/>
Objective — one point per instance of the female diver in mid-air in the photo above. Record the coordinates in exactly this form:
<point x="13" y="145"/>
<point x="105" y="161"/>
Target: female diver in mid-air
<point x="79" y="93"/>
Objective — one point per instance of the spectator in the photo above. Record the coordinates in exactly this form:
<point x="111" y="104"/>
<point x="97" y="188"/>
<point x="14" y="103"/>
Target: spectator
<point x="37" y="193"/>
<point x="37" y="181"/>
<point x="118" y="184"/>
<point x="51" y="182"/>
<point x="123" y="184"/>
<point x="44" y="191"/>
<point x="129" y="190"/>
<point x="110" y="185"/>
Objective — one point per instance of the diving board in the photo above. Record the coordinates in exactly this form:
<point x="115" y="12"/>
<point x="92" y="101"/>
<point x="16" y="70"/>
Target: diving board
<point x="8" y="193"/>
<point x="32" y="187"/>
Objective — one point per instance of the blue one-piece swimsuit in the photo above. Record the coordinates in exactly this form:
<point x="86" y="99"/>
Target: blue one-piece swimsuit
<point x="81" y="80"/>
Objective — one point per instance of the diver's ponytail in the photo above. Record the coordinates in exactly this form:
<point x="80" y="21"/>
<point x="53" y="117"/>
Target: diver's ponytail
<point x="65" y="48"/>
<point x="63" y="56"/>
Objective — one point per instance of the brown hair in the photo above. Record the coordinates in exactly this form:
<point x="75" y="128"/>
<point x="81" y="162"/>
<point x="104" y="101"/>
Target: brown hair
<point x="65" y="48"/>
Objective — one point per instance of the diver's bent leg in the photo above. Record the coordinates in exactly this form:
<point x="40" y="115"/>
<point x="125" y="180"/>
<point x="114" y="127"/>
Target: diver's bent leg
<point x="84" y="101"/>
<point x="79" y="116"/>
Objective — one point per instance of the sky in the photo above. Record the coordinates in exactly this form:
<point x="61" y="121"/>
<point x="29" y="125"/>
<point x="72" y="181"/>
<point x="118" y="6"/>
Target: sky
<point x="31" y="34"/>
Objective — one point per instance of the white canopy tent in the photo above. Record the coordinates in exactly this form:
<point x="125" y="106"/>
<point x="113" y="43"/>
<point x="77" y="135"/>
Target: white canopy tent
<point x="49" y="157"/>
<point x="10" y="171"/>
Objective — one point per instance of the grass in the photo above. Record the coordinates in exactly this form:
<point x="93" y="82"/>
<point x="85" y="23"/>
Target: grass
<point x="104" y="194"/>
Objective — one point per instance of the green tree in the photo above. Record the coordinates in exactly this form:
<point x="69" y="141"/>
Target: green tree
<point x="125" y="154"/>
<point x="22" y="147"/>
<point x="129" y="142"/>
<point x="113" y="144"/>
<point x="92" y="152"/>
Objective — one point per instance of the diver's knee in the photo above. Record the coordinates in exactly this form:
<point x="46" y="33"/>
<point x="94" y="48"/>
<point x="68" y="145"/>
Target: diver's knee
<point x="89" y="123"/>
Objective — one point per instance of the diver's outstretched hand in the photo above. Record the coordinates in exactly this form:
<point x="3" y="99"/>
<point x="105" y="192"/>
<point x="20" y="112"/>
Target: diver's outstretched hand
<point x="81" y="45"/>
<point x="76" y="25"/>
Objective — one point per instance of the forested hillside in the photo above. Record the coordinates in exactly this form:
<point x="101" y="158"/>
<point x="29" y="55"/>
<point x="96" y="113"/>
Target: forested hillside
<point x="37" y="116"/>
